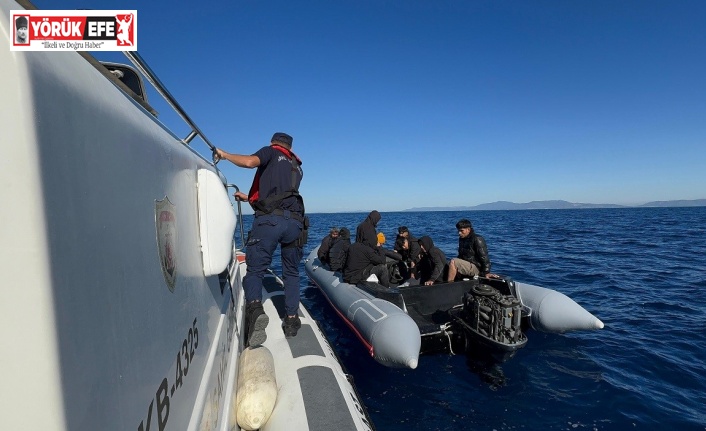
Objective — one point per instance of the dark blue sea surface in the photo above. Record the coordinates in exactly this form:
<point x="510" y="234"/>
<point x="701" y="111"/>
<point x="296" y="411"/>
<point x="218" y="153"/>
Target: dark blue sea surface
<point x="642" y="271"/>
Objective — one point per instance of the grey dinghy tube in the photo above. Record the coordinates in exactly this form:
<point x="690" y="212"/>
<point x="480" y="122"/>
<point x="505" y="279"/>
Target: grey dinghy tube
<point x="554" y="312"/>
<point x="390" y="335"/>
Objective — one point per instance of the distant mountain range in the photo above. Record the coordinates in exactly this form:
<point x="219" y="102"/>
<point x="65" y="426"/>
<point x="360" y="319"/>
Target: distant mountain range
<point x="559" y="204"/>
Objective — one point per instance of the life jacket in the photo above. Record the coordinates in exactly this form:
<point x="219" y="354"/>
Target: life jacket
<point x="273" y="201"/>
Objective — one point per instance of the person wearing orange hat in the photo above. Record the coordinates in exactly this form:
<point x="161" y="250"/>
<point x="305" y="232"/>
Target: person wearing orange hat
<point x="364" y="260"/>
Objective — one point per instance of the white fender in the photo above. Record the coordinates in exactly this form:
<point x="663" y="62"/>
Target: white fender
<point x="216" y="223"/>
<point x="257" y="388"/>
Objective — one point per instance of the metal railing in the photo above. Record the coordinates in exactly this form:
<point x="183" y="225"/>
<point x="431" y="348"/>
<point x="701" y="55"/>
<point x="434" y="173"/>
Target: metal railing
<point x="147" y="72"/>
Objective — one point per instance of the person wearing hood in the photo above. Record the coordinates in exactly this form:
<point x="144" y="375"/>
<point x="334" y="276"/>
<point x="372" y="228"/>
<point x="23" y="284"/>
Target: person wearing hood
<point x="364" y="260"/>
<point x="431" y="265"/>
<point x="339" y="250"/>
<point x="472" y="257"/>
<point x="326" y="244"/>
<point x="366" y="230"/>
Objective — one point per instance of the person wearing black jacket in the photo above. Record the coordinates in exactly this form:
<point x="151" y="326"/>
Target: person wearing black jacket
<point x="431" y="266"/>
<point x="365" y="232"/>
<point x="409" y="253"/>
<point x="472" y="257"/>
<point x="414" y="250"/>
<point x="339" y="250"/>
<point x="326" y="244"/>
<point x="364" y="260"/>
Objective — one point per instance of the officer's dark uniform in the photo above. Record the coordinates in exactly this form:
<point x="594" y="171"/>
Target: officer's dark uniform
<point x="279" y="219"/>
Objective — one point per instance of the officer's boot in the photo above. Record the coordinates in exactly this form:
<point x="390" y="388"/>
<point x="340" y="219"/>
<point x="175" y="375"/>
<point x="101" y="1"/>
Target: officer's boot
<point x="257" y="322"/>
<point x="291" y="325"/>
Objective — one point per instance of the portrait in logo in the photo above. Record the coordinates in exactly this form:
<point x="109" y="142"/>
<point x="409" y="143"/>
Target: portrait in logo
<point x="166" y="224"/>
<point x="21" y="34"/>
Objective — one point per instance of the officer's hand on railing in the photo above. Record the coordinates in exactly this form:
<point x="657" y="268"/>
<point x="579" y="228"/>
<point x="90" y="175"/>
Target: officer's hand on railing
<point x="240" y="196"/>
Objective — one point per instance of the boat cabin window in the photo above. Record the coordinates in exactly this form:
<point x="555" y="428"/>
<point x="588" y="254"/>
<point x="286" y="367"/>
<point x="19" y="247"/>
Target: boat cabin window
<point x="129" y="77"/>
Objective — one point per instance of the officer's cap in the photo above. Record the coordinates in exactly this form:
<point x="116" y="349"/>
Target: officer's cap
<point x="282" y="138"/>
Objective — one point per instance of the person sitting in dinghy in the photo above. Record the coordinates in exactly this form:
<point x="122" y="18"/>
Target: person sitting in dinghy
<point x="326" y="244"/>
<point x="432" y="264"/>
<point x="339" y="250"/>
<point x="364" y="260"/>
<point x="409" y="250"/>
<point x="405" y="264"/>
<point x="414" y="251"/>
<point x="472" y="257"/>
<point x="365" y="232"/>
<point x="392" y="260"/>
<point x="392" y="255"/>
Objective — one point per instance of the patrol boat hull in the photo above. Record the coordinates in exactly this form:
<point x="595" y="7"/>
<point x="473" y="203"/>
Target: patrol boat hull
<point x="122" y="299"/>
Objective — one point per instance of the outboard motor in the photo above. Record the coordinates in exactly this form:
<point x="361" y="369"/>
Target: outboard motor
<point x="494" y="319"/>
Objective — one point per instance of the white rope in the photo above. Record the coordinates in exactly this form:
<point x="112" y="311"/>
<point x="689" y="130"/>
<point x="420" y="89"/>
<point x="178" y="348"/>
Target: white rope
<point x="444" y="328"/>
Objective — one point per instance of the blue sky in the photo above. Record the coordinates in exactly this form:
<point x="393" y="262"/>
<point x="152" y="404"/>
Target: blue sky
<point x="400" y="104"/>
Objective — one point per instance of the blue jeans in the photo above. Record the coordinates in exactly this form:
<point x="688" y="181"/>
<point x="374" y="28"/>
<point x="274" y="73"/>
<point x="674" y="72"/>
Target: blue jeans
<point x="267" y="232"/>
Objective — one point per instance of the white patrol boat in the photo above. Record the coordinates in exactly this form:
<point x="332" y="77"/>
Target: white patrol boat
<point x="122" y="302"/>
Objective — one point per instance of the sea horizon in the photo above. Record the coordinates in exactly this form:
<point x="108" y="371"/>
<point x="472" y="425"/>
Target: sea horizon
<point x="537" y="205"/>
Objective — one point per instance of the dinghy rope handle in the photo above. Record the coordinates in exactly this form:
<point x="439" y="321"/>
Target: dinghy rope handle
<point x="444" y="328"/>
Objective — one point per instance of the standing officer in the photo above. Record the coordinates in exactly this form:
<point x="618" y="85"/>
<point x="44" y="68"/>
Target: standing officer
<point x="279" y="219"/>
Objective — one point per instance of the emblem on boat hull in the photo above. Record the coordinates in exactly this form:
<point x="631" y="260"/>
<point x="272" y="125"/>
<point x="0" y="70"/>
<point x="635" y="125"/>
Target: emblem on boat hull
<point x="166" y="224"/>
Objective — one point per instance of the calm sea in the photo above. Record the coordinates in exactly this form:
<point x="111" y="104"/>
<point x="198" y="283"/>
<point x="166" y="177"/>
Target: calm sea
<point x="641" y="271"/>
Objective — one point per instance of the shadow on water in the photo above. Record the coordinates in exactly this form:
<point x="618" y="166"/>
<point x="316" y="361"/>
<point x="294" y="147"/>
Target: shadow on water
<point x="487" y="368"/>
